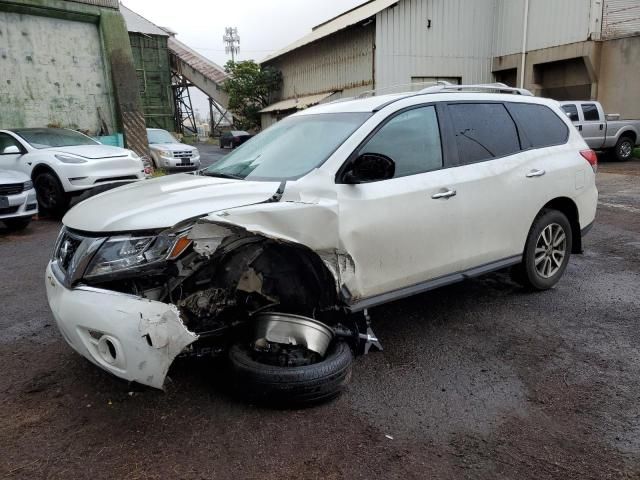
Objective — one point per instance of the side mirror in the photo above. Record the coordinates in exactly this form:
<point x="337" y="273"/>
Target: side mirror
<point x="370" y="167"/>
<point x="11" y="150"/>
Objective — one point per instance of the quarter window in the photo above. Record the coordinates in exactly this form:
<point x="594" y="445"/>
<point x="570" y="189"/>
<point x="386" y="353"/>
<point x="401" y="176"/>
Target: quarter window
<point x="411" y="139"/>
<point x="590" y="112"/>
<point x="483" y="131"/>
<point x="540" y="126"/>
<point x="572" y="112"/>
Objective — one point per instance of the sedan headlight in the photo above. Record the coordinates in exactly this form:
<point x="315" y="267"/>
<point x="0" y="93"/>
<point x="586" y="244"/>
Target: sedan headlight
<point x="28" y="185"/>
<point x="69" y="158"/>
<point x="133" y="251"/>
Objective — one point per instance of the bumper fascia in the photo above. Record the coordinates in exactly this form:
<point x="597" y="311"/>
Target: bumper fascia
<point x="145" y="335"/>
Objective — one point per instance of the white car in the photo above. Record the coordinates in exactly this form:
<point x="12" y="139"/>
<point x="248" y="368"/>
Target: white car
<point x="63" y="163"/>
<point x="170" y="154"/>
<point x="17" y="199"/>
<point x="275" y="254"/>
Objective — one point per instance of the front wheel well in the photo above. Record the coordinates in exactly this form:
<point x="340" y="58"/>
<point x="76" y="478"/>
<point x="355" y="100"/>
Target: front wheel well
<point x="570" y="210"/>
<point x="42" y="168"/>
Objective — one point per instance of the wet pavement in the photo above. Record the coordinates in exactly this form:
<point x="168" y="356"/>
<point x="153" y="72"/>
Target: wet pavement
<point x="477" y="380"/>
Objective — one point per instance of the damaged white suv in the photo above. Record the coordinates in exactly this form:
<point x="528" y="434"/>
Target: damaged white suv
<point x="268" y="255"/>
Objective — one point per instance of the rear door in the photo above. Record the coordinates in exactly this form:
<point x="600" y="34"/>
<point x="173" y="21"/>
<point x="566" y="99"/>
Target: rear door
<point x="593" y="129"/>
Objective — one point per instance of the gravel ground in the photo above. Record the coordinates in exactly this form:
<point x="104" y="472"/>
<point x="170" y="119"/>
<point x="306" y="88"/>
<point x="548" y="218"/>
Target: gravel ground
<point x="477" y="380"/>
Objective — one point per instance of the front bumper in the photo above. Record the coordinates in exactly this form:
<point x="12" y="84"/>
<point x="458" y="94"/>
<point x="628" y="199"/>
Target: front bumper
<point x="131" y="337"/>
<point x="22" y="204"/>
<point x="171" y="163"/>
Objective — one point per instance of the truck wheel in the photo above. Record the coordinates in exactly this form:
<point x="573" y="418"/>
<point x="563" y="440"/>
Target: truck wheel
<point x="624" y="149"/>
<point x="51" y="196"/>
<point x="286" y="385"/>
<point x="546" y="253"/>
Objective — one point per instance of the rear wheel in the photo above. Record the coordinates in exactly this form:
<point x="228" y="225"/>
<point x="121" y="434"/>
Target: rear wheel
<point x="624" y="149"/>
<point x="51" y="196"/>
<point x="16" y="224"/>
<point x="547" y="251"/>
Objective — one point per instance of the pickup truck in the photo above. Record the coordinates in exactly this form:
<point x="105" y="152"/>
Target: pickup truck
<point x="603" y="132"/>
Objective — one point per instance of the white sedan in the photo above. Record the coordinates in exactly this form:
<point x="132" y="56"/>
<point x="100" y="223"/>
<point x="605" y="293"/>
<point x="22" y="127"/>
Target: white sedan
<point x="17" y="199"/>
<point x="63" y="163"/>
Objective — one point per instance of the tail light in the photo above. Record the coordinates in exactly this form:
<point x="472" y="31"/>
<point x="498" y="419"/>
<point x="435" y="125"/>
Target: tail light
<point x="591" y="157"/>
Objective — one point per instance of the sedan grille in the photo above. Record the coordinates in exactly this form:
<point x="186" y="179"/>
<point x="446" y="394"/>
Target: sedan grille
<point x="8" y="210"/>
<point x="11" y="188"/>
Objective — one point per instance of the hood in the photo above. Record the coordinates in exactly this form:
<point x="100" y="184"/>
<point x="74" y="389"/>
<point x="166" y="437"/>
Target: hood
<point x="172" y="147"/>
<point x="164" y="202"/>
<point x="11" y="176"/>
<point x="92" y="151"/>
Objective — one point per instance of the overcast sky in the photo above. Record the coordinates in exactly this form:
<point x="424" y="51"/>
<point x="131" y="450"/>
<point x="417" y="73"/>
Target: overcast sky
<point x="264" y="26"/>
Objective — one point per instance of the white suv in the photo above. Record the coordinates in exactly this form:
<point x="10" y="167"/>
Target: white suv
<point x="273" y="254"/>
<point x="63" y="163"/>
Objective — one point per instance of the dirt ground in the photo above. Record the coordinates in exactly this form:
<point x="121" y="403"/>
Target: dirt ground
<point x="477" y="380"/>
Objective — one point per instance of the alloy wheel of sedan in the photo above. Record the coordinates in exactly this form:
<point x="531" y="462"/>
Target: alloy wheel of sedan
<point x="550" y="251"/>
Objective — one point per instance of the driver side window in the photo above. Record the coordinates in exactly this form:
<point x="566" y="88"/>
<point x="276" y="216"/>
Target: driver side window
<point x="411" y="139"/>
<point x="6" y="142"/>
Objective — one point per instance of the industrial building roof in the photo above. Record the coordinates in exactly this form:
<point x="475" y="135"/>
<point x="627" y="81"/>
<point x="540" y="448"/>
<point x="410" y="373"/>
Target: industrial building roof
<point x="296" y="103"/>
<point x="138" y="24"/>
<point x="345" y="20"/>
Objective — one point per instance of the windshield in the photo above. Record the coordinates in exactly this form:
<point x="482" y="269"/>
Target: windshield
<point x="54" y="137"/>
<point x="289" y="149"/>
<point x="160" y="136"/>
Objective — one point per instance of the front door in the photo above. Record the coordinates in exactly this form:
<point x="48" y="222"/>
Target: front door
<point x="397" y="234"/>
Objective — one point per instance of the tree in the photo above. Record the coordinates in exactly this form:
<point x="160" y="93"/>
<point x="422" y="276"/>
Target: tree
<point x="249" y="88"/>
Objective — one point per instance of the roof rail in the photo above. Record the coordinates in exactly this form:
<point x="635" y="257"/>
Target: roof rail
<point x="402" y="88"/>
<point x="482" y="87"/>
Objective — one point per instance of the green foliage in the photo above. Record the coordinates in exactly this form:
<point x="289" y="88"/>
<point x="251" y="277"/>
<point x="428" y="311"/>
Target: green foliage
<point x="636" y="153"/>
<point x="249" y="88"/>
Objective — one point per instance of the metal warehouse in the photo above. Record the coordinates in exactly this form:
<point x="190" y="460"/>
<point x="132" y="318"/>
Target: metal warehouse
<point x="570" y="49"/>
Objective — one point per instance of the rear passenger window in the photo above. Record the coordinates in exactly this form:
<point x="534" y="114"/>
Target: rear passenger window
<point x="572" y="112"/>
<point x="411" y="139"/>
<point x="483" y="131"/>
<point x="539" y="125"/>
<point x="590" y="112"/>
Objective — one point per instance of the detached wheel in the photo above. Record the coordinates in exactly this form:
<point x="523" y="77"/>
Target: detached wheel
<point x="51" y="196"/>
<point x="16" y="224"/>
<point x="547" y="251"/>
<point x="624" y="149"/>
<point x="261" y="380"/>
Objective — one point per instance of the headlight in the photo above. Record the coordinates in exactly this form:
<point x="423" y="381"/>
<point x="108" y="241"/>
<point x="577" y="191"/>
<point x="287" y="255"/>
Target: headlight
<point x="165" y="153"/>
<point x="69" y="158"/>
<point x="28" y="185"/>
<point x="131" y="251"/>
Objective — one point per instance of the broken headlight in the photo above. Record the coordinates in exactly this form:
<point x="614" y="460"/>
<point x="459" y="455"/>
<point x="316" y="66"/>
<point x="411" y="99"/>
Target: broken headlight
<point x="132" y="251"/>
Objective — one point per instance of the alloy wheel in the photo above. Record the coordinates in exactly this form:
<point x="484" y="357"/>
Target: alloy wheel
<point x="551" y="248"/>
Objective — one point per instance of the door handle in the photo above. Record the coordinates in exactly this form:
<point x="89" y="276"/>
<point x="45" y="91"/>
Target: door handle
<point x="447" y="194"/>
<point x="601" y="127"/>
<point x="579" y="128"/>
<point x="535" y="173"/>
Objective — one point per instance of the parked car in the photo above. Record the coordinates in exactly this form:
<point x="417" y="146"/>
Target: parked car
<point x="63" y="163"/>
<point x="169" y="153"/>
<point x="616" y="136"/>
<point x="17" y="199"/>
<point x="234" y="138"/>
<point x="275" y="254"/>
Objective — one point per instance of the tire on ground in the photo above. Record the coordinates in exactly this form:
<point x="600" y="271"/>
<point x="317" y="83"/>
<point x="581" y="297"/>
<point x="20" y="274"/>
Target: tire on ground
<point x="526" y="273"/>
<point x="16" y="224"/>
<point x="301" y="385"/>
<point x="623" y="151"/>
<point x="51" y="196"/>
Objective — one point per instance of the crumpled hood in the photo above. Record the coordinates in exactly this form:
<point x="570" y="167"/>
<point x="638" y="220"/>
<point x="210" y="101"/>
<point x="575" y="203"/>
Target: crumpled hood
<point x="164" y="202"/>
<point x="93" y="151"/>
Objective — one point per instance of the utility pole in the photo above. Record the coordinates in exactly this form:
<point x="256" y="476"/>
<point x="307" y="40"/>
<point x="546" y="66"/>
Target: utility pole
<point x="231" y="42"/>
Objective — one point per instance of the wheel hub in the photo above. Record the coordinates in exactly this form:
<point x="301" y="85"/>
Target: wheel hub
<point x="550" y="250"/>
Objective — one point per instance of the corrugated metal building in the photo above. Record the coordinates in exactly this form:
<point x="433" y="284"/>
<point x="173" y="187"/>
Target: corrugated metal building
<point x="573" y="49"/>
